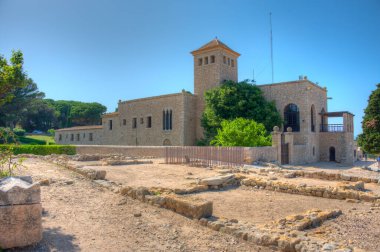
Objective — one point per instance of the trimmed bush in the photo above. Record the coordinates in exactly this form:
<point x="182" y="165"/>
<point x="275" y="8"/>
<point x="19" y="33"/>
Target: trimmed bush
<point x="19" y="132"/>
<point x="40" y="149"/>
<point x="31" y="141"/>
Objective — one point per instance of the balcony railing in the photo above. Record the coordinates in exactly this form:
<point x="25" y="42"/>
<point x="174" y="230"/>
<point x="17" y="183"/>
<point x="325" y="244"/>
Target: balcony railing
<point x="332" y="128"/>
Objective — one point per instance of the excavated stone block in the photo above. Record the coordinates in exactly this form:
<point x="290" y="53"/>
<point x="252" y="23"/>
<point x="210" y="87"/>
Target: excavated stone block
<point x="20" y="225"/>
<point x="16" y="191"/>
<point x="194" y="208"/>
<point x="217" y="180"/>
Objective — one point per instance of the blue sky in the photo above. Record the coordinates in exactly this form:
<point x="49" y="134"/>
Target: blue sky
<point x="98" y="50"/>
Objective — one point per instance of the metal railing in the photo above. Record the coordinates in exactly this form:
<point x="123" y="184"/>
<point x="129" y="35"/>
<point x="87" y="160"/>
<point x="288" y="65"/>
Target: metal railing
<point x="204" y="156"/>
<point x="332" y="128"/>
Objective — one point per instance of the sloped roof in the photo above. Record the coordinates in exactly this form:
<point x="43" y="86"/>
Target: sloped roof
<point x="90" y="127"/>
<point x="213" y="44"/>
<point x="112" y="114"/>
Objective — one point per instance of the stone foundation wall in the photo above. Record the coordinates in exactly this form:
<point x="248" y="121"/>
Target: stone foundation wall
<point x="266" y="154"/>
<point x="132" y="151"/>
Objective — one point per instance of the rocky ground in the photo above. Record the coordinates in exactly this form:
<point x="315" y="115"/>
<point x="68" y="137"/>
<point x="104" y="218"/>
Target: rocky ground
<point x="79" y="215"/>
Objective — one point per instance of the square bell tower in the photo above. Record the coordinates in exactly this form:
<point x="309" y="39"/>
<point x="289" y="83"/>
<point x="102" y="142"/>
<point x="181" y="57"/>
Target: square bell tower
<point x="214" y="63"/>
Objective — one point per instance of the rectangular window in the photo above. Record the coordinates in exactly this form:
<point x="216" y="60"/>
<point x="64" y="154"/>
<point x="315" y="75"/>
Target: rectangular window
<point x="206" y="60"/>
<point x="229" y="61"/>
<point x="78" y="137"/>
<point x="84" y="135"/>
<point x="134" y="123"/>
<point x="124" y="122"/>
<point x="224" y="60"/>
<point x="200" y="62"/>
<point x="90" y="137"/>
<point x="232" y="63"/>
<point x="212" y="59"/>
<point x="149" y="122"/>
<point x="110" y="124"/>
<point x="60" y="137"/>
<point x="72" y="137"/>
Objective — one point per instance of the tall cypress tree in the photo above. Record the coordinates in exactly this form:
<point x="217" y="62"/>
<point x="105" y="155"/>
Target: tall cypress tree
<point x="369" y="140"/>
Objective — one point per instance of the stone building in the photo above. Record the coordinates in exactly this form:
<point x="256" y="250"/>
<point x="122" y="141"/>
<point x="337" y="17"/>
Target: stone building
<point x="174" y="119"/>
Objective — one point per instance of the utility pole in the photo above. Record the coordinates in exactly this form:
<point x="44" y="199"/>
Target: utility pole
<point x="271" y="44"/>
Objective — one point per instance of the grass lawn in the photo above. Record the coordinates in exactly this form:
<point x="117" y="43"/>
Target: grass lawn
<point x="47" y="139"/>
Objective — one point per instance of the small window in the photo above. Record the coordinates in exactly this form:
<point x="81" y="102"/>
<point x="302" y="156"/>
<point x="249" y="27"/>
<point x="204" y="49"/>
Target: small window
<point x="124" y="122"/>
<point x="78" y="137"/>
<point x="229" y="61"/>
<point x="110" y="124"/>
<point x="212" y="59"/>
<point x="84" y="135"/>
<point x="134" y="123"/>
<point x="232" y="63"/>
<point x="200" y="61"/>
<point x="149" y="122"/>
<point x="72" y="137"/>
<point x="206" y="60"/>
<point x="313" y="151"/>
<point x="60" y="137"/>
<point x="141" y="120"/>
<point x="224" y="60"/>
<point x="90" y="137"/>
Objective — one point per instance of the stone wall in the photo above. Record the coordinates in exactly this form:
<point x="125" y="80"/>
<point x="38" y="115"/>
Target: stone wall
<point x="71" y="136"/>
<point x="304" y="94"/>
<point x="132" y="151"/>
<point x="180" y="104"/>
<point x="266" y="154"/>
<point x="252" y="154"/>
<point x="343" y="144"/>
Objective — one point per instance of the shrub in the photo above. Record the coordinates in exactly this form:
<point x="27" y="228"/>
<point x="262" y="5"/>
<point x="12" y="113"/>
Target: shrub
<point x="7" y="136"/>
<point x="19" y="132"/>
<point x="242" y="132"/>
<point x="40" y="149"/>
<point x="51" y="132"/>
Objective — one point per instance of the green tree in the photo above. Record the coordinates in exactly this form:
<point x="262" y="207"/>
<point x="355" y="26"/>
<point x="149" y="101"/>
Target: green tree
<point x="12" y="76"/>
<point x="12" y="113"/>
<point x="242" y="132"/>
<point x="369" y="140"/>
<point x="232" y="100"/>
<point x="40" y="115"/>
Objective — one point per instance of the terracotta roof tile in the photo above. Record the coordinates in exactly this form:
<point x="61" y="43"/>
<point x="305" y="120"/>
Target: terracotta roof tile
<point x="215" y="43"/>
<point x="82" y="128"/>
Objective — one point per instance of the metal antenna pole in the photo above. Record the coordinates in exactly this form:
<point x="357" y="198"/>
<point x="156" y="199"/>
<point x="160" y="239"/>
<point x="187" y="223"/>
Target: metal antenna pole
<point x="271" y="43"/>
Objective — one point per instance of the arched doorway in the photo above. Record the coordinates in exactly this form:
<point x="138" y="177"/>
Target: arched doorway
<point x="292" y="117"/>
<point x="167" y="142"/>
<point x="332" y="153"/>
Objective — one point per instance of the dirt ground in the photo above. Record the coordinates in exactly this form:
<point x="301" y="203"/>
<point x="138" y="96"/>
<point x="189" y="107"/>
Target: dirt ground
<point x="353" y="170"/>
<point x="153" y="175"/>
<point x="260" y="206"/>
<point x="78" y="215"/>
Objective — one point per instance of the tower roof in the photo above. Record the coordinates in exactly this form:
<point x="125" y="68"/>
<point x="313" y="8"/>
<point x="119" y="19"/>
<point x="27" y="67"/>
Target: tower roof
<point x="212" y="45"/>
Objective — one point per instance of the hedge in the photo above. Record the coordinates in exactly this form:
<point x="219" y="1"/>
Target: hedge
<point x="31" y="141"/>
<point x="40" y="149"/>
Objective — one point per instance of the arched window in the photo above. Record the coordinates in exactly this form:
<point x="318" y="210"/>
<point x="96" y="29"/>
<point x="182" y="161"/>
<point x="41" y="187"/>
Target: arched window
<point x="292" y="117"/>
<point x="167" y="118"/>
<point x="312" y="118"/>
